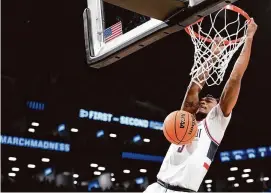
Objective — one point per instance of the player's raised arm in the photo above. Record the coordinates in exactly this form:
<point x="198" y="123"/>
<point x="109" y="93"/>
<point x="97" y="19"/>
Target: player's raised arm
<point x="231" y="90"/>
<point x="191" y="99"/>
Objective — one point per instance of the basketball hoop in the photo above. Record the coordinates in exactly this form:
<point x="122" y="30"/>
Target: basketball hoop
<point x="210" y="64"/>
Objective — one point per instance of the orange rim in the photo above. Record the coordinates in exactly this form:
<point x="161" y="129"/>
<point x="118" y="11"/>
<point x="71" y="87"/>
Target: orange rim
<point x="229" y="7"/>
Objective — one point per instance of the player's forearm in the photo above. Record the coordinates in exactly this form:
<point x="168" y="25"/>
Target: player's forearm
<point x="243" y="61"/>
<point x="232" y="88"/>
<point x="203" y="72"/>
<point x="191" y="99"/>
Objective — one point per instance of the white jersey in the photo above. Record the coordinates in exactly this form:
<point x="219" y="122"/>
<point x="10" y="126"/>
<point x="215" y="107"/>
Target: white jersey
<point x="187" y="165"/>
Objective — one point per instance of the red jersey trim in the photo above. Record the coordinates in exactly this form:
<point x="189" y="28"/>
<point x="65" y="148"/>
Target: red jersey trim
<point x="206" y="166"/>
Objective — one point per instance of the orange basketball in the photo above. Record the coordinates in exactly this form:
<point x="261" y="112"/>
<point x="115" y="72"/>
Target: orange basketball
<point x="180" y="127"/>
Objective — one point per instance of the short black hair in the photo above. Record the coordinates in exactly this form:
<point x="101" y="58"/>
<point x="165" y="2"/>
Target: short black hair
<point x="209" y="95"/>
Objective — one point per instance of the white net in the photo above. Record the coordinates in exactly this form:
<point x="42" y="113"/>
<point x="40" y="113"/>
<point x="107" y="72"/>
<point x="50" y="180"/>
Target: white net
<point x="215" y="47"/>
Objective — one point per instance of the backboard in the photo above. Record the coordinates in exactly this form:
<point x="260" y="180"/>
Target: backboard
<point x="114" y="29"/>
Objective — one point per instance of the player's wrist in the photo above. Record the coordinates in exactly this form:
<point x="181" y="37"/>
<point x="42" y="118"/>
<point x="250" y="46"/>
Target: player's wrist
<point x="250" y="37"/>
<point x="197" y="83"/>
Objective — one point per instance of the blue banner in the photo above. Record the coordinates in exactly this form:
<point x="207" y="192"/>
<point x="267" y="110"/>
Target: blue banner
<point x="144" y="157"/>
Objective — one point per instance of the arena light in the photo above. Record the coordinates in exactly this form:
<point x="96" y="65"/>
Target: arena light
<point x="14" y="169"/>
<point x="35" y="124"/>
<point x="100" y="133"/>
<point x="236" y="185"/>
<point x="231" y="178"/>
<point x="146" y="140"/>
<point x="209" y="185"/>
<point x="93" y="165"/>
<point x="113" y="179"/>
<point x="250" y="180"/>
<point x="265" y="178"/>
<point x="84" y="183"/>
<point x="209" y="190"/>
<point x="245" y="175"/>
<point x="12" y="159"/>
<point x="112" y="174"/>
<point x="74" y="130"/>
<point x="208" y="181"/>
<point x="31" y="166"/>
<point x="97" y="173"/>
<point x="48" y="171"/>
<point x="45" y="159"/>
<point x="75" y="182"/>
<point x="126" y="171"/>
<point x="113" y="135"/>
<point x="101" y="168"/>
<point x="143" y="170"/>
<point x="31" y="130"/>
<point x="136" y="138"/>
<point x="11" y="174"/>
<point x="247" y="170"/>
<point x="233" y="168"/>
<point x="139" y="180"/>
<point x="75" y="175"/>
<point x="61" y="127"/>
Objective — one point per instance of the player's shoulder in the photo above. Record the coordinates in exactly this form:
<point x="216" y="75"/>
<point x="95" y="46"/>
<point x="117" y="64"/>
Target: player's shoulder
<point x="215" y="112"/>
<point x="216" y="121"/>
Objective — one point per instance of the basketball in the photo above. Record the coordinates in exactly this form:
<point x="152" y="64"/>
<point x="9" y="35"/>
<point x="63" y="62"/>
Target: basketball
<point x="180" y="127"/>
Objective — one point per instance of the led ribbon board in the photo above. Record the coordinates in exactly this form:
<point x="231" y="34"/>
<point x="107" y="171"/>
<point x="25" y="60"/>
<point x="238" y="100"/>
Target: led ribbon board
<point x="244" y="154"/>
<point x="34" y="143"/>
<point x="123" y="120"/>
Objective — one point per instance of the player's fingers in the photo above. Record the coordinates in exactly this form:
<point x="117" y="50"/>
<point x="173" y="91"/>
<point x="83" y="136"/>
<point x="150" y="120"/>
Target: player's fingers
<point x="252" y="22"/>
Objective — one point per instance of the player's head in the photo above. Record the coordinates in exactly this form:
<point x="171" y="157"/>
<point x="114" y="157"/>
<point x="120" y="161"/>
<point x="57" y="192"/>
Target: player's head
<point x="205" y="105"/>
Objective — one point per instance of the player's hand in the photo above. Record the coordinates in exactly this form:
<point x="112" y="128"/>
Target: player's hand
<point x="252" y="28"/>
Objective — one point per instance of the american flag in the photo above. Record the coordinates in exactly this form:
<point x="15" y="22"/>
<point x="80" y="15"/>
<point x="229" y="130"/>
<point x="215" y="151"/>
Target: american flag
<point x="113" y="32"/>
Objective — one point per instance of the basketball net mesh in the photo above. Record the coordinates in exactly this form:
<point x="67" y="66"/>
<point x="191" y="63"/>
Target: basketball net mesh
<point x="210" y="64"/>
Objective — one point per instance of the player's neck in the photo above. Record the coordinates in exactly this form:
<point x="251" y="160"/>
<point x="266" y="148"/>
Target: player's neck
<point x="200" y="116"/>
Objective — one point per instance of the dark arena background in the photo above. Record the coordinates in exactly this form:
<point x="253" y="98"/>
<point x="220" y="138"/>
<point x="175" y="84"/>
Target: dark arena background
<point x="68" y="127"/>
